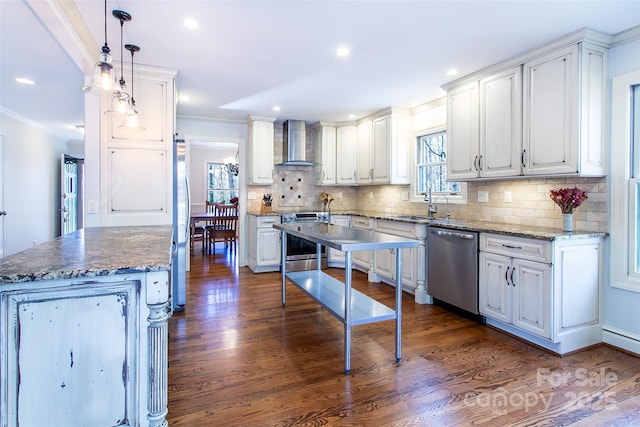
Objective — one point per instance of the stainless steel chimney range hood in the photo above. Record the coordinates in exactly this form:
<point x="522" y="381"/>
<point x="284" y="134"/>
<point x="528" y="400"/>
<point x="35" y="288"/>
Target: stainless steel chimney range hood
<point x="294" y="144"/>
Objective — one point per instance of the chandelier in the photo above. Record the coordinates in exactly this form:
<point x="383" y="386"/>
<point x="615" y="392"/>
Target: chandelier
<point x="231" y="165"/>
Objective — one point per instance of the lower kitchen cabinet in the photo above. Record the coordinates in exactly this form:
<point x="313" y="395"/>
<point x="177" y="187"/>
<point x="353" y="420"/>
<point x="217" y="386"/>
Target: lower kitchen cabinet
<point x="547" y="292"/>
<point x="335" y="258"/>
<point x="413" y="259"/>
<point x="263" y="243"/>
<point x="363" y="260"/>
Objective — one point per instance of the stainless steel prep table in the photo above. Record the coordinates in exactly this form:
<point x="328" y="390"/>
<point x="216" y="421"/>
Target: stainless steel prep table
<point x="349" y="306"/>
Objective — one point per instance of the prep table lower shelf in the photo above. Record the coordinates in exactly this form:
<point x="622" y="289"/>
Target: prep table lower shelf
<point x="330" y="293"/>
<point x="348" y="305"/>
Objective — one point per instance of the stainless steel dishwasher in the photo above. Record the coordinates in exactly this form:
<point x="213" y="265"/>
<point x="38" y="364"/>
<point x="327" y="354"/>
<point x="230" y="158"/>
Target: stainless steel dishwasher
<point x="452" y="267"/>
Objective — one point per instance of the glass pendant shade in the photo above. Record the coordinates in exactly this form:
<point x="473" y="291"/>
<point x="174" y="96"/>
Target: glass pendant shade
<point x="103" y="76"/>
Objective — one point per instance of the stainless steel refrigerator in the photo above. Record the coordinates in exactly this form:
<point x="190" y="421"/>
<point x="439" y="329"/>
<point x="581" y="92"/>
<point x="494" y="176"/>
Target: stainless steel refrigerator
<point x="181" y="226"/>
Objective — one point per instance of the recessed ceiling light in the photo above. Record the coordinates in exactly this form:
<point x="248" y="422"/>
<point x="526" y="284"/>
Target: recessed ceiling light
<point x="352" y="116"/>
<point x="343" y="51"/>
<point x="191" y="24"/>
<point x="25" y="81"/>
<point x="276" y="108"/>
<point x="184" y="98"/>
<point x="452" y="72"/>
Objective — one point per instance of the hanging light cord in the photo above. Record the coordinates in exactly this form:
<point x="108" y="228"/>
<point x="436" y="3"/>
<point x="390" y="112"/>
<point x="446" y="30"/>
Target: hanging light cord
<point x="105" y="48"/>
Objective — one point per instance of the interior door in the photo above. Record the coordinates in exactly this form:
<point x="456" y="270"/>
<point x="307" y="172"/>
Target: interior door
<point x="71" y="211"/>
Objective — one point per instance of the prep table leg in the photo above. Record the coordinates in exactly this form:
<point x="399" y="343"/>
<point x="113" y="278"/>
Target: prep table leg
<point x="398" y="304"/>
<point x="347" y="313"/>
<point x="283" y="254"/>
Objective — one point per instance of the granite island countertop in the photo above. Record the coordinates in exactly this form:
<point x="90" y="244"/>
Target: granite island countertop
<point x="92" y="252"/>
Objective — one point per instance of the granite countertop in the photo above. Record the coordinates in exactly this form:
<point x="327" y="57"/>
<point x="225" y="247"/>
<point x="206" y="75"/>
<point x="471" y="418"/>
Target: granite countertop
<point x="527" y="231"/>
<point x="92" y="252"/>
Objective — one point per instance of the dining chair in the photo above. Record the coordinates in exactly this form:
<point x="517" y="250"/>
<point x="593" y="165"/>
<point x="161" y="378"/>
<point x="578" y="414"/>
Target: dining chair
<point x="224" y="227"/>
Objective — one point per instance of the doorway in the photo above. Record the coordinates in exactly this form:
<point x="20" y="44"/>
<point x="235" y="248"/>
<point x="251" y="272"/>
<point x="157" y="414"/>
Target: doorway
<point x="71" y="194"/>
<point x="3" y="214"/>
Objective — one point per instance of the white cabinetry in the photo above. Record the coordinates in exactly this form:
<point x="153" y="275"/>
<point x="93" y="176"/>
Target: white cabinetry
<point x="486" y="130"/>
<point x="362" y="260"/>
<point x="383" y="148"/>
<point x="325" y="151"/>
<point x="346" y="155"/>
<point x="260" y="142"/>
<point x="541" y="113"/>
<point x="263" y="243"/>
<point x="335" y="258"/>
<point x="413" y="259"/>
<point x="564" y="95"/>
<point x="529" y="288"/>
<point x="136" y="164"/>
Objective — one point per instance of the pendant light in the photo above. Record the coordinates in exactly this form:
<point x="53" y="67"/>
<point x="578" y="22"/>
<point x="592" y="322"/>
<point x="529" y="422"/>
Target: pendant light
<point x="120" y="102"/>
<point x="103" y="71"/>
<point x="132" y="119"/>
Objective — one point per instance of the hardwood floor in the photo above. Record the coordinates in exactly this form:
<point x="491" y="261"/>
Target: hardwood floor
<point x="237" y="357"/>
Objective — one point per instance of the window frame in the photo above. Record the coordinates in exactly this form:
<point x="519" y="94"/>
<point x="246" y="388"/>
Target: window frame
<point x="415" y="197"/>
<point x="209" y="190"/>
<point x="623" y="199"/>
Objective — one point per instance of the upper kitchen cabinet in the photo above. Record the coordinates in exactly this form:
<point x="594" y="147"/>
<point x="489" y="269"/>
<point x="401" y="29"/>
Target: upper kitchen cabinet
<point x="136" y="164"/>
<point x="346" y="138"/>
<point x="260" y="139"/>
<point x="564" y="95"/>
<point x="538" y="114"/>
<point x="383" y="148"/>
<point x="324" y="139"/>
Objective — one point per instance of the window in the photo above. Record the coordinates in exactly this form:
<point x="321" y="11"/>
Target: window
<point x="431" y="169"/>
<point x="625" y="182"/>
<point x="221" y="184"/>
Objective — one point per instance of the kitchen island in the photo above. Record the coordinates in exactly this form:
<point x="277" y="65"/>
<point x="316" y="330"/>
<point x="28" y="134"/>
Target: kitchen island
<point x="84" y="329"/>
<point x="349" y="306"/>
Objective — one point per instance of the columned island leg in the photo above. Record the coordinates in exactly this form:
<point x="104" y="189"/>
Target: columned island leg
<point x="157" y="348"/>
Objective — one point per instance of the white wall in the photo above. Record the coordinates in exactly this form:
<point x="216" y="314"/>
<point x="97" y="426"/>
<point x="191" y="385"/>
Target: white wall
<point x="621" y="307"/>
<point x="31" y="185"/>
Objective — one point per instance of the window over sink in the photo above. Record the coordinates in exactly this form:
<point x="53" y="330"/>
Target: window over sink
<point x="431" y="170"/>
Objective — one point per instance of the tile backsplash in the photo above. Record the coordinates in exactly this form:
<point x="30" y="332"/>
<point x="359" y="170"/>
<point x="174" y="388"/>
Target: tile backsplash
<point x="530" y="203"/>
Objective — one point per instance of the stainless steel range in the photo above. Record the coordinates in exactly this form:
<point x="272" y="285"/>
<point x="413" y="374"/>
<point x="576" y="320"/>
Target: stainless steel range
<point x="301" y="253"/>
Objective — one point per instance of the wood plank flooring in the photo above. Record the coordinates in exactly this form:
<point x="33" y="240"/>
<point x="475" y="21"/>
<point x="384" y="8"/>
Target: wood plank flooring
<point x="237" y="357"/>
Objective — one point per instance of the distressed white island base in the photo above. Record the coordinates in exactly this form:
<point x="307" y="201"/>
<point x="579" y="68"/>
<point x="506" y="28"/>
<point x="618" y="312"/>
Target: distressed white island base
<point x="349" y="306"/>
<point x="83" y="327"/>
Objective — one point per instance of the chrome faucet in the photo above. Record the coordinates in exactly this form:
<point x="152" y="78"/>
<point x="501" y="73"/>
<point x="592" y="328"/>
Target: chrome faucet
<point x="432" y="209"/>
<point x="447" y="199"/>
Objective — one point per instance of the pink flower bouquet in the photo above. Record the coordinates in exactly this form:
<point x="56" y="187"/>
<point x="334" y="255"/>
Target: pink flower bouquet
<point x="568" y="198"/>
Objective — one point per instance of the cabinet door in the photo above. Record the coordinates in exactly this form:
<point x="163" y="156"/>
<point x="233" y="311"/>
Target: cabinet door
<point x="72" y="356"/>
<point x="326" y="154"/>
<point x="346" y="155"/>
<point x="262" y="153"/>
<point x="409" y="267"/>
<point x="494" y="290"/>
<point x="334" y="256"/>
<point x="152" y="104"/>
<point x="268" y="247"/>
<point x="364" y="156"/>
<point x="381" y="150"/>
<point x="501" y="124"/>
<point x="531" y="309"/>
<point x="252" y="238"/>
<point x="384" y="263"/>
<point x="550" y="113"/>
<point x="462" y="132"/>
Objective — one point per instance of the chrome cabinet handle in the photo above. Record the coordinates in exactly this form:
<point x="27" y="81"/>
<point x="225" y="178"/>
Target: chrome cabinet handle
<point x="3" y="213"/>
<point x="512" y="282"/>
<point x="506" y="276"/>
<point x="511" y="247"/>
<point x="475" y="163"/>
<point x="480" y="162"/>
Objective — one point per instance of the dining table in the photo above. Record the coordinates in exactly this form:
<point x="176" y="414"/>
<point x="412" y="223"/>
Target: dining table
<point x="207" y="217"/>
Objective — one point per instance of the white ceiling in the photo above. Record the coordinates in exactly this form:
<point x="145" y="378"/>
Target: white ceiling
<point x="248" y="56"/>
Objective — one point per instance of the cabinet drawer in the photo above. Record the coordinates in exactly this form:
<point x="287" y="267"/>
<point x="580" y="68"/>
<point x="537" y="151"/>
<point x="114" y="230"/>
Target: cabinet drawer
<point x="530" y="249"/>
<point x="397" y="228"/>
<point x="267" y="221"/>
<point x="360" y="222"/>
